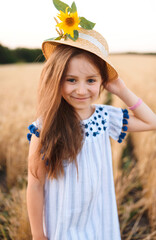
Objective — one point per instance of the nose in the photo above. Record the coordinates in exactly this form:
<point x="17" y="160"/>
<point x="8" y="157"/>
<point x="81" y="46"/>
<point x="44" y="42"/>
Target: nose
<point x="81" y="89"/>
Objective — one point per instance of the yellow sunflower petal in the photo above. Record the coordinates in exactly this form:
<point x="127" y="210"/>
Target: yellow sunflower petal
<point x="72" y="34"/>
<point x="70" y="22"/>
<point x="62" y="16"/>
<point x="60" y="25"/>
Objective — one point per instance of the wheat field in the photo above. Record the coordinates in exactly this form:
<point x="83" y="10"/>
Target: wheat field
<point x="134" y="161"/>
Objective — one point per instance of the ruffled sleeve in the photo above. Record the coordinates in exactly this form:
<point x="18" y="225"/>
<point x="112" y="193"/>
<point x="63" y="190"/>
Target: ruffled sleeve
<point x="117" y="122"/>
<point x="34" y="128"/>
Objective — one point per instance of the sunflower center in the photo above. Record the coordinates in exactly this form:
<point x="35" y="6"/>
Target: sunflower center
<point x="70" y="21"/>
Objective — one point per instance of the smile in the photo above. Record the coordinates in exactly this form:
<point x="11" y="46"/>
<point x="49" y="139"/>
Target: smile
<point x="81" y="99"/>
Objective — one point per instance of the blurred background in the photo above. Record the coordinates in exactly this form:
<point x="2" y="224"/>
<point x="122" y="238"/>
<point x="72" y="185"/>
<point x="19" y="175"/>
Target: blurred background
<point x="129" y="28"/>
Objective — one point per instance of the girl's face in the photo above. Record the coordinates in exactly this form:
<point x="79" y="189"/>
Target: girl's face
<point x="81" y="85"/>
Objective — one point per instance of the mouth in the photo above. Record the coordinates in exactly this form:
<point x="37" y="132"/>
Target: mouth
<point x="81" y="99"/>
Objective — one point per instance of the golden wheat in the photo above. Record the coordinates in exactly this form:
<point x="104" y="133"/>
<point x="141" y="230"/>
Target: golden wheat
<point x="139" y="74"/>
<point x="17" y="106"/>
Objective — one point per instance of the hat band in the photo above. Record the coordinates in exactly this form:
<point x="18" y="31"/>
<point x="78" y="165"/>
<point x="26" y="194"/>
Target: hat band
<point x="95" y="42"/>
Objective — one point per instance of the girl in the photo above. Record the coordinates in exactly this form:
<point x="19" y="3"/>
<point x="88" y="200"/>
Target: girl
<point x="70" y="193"/>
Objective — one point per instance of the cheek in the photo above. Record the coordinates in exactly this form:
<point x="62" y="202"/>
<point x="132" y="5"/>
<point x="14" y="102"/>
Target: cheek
<point x="66" y="89"/>
<point x="96" y="89"/>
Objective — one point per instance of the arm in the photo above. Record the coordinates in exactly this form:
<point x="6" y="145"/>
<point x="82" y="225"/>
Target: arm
<point x="143" y="118"/>
<point x="35" y="195"/>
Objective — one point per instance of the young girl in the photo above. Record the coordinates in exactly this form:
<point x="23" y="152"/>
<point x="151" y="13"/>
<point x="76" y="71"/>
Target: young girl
<point x="70" y="193"/>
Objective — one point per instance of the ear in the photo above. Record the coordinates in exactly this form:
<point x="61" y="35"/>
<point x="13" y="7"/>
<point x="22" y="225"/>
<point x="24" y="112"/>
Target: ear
<point x="101" y="88"/>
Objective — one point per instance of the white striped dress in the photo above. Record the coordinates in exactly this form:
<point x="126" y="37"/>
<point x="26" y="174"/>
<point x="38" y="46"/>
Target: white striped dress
<point x="85" y="208"/>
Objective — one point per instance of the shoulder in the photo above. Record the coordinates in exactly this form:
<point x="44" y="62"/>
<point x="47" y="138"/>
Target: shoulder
<point x="108" y="110"/>
<point x="34" y="128"/>
<point x="38" y="123"/>
<point x="109" y="113"/>
<point x="116" y="120"/>
<point x="113" y="114"/>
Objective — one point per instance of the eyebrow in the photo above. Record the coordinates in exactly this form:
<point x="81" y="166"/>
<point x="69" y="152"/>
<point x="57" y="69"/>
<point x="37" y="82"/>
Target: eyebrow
<point x="70" y="75"/>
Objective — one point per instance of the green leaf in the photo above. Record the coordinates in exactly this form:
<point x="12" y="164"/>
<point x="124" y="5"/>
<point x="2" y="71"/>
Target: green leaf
<point x="54" y="38"/>
<point x="60" y="5"/>
<point x="84" y="23"/>
<point x="58" y="38"/>
<point x="73" y="7"/>
<point x="76" y="35"/>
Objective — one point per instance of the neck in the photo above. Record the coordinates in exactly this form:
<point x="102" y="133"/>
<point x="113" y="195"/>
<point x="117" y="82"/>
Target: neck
<point x="85" y="113"/>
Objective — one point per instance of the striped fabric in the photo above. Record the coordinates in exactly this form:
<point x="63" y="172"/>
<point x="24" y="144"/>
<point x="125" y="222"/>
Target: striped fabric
<point x="85" y="208"/>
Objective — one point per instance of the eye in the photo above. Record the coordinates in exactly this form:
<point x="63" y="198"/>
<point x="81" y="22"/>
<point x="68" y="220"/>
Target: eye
<point x="91" y="80"/>
<point x="72" y="80"/>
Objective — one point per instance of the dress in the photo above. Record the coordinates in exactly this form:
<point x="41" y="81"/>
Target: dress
<point x="85" y="208"/>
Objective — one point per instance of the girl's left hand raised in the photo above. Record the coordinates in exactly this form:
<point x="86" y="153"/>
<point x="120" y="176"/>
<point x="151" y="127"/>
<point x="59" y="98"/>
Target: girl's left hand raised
<point x="115" y="86"/>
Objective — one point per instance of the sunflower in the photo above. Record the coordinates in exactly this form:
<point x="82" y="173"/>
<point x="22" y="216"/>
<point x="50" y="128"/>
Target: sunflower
<point x="70" y="22"/>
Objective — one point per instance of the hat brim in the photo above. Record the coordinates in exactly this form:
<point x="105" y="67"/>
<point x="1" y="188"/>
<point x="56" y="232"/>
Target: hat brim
<point x="48" y="47"/>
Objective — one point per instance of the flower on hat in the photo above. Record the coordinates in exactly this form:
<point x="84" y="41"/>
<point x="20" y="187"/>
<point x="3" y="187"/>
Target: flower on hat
<point x="70" y="21"/>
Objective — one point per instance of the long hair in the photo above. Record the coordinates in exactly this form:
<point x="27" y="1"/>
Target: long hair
<point x="61" y="136"/>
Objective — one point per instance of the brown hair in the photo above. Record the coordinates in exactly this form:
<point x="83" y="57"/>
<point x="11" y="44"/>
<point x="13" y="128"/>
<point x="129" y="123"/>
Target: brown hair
<point x="61" y="136"/>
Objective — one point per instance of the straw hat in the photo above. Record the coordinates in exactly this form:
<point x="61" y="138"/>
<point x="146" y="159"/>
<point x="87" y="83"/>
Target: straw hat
<point x="89" y="40"/>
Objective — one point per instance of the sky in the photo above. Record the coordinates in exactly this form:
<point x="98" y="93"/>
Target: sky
<point x="127" y="25"/>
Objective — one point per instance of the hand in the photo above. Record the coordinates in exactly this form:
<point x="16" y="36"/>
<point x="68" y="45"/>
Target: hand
<point x="115" y="86"/>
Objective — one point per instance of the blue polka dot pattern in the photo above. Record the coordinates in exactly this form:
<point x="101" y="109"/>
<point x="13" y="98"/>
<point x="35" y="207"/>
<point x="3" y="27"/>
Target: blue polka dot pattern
<point x="124" y="128"/>
<point x="33" y="130"/>
<point x="87" y="134"/>
<point x="103" y="122"/>
<point x="96" y="124"/>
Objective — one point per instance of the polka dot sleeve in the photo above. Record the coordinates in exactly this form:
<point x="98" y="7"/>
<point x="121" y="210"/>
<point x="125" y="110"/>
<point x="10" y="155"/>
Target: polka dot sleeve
<point x="34" y="128"/>
<point x="117" y="122"/>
